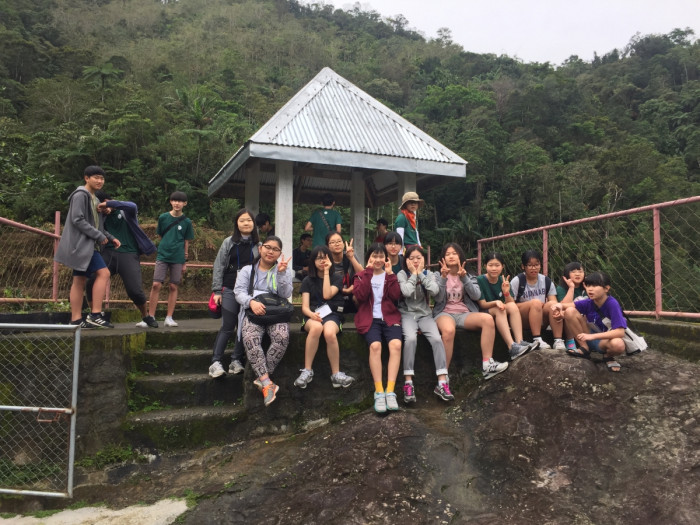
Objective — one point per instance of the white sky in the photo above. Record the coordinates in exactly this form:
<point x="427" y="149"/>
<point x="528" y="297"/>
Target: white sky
<point x="539" y="30"/>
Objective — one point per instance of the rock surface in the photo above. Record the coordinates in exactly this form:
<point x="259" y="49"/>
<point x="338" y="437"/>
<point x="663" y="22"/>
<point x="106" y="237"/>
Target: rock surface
<point x="553" y="440"/>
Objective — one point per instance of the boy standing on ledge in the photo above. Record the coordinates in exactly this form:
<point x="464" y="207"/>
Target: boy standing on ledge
<point x="83" y="236"/>
<point x="176" y="233"/>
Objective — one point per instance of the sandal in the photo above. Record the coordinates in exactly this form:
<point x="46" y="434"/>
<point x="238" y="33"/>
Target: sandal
<point x="613" y="365"/>
<point x="579" y="352"/>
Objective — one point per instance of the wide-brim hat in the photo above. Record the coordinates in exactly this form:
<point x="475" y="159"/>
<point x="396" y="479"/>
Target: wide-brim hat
<point x="411" y="196"/>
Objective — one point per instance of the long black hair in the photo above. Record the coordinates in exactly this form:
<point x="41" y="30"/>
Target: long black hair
<point x="320" y="249"/>
<point x="574" y="265"/>
<point x="237" y="236"/>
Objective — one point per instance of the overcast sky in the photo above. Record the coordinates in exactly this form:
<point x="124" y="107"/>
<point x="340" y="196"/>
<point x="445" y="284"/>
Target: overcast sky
<point x="539" y="30"/>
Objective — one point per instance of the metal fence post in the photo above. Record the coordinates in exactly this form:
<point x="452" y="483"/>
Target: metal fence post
<point x="658" y="301"/>
<point x="57" y="231"/>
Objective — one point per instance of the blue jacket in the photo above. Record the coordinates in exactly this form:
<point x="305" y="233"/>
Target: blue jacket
<point x="145" y="245"/>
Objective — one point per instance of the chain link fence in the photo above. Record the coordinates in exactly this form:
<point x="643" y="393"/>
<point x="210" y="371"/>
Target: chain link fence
<point x="652" y="254"/>
<point x="38" y="396"/>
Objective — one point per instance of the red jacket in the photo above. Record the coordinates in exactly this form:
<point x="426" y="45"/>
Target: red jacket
<point x="362" y="290"/>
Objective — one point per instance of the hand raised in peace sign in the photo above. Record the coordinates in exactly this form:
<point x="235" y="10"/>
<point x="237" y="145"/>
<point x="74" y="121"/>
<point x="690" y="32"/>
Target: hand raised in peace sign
<point x="505" y="285"/>
<point x="444" y="269"/>
<point x="462" y="269"/>
<point x="282" y="264"/>
<point x="349" y="250"/>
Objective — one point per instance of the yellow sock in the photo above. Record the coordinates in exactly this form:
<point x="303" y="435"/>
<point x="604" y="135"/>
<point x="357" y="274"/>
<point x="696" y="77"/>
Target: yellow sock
<point x="390" y="386"/>
<point x="378" y="387"/>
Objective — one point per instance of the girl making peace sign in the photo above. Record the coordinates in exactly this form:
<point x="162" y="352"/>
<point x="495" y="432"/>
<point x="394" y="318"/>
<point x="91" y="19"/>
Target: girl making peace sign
<point x="454" y="308"/>
<point x="497" y="301"/>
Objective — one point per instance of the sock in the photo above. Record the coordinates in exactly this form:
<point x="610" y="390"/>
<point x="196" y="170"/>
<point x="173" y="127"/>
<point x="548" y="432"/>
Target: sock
<point x="378" y="388"/>
<point x="442" y="382"/>
<point x="265" y="382"/>
<point x="409" y="382"/>
<point x="390" y="386"/>
<point x="570" y="344"/>
<point x="537" y="338"/>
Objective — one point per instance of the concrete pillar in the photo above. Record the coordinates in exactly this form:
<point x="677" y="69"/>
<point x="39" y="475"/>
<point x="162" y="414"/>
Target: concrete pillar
<point x="357" y="215"/>
<point x="284" y="206"/>
<point x="252" y="187"/>
<point x="406" y="182"/>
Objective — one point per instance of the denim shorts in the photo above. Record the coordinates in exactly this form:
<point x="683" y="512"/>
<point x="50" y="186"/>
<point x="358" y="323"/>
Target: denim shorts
<point x="96" y="263"/>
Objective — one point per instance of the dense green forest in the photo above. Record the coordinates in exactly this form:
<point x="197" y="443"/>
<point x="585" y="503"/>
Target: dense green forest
<point x="162" y="93"/>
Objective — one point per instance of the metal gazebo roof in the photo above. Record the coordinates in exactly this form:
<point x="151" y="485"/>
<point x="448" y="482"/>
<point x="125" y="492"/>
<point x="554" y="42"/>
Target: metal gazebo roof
<point x="330" y="129"/>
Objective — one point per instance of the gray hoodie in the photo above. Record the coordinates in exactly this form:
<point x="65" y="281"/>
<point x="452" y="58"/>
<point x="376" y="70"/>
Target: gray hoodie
<point x="79" y="236"/>
<point x="415" y="298"/>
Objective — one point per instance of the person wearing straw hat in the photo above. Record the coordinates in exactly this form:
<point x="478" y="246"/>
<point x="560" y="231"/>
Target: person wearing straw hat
<point x="406" y="224"/>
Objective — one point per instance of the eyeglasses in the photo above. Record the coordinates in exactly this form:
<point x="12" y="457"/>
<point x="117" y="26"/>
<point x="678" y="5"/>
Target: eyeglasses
<point x="273" y="249"/>
<point x="533" y="265"/>
<point x="337" y="241"/>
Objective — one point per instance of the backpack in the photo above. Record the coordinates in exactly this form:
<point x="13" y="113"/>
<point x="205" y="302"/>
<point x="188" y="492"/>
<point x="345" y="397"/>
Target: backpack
<point x="522" y="281"/>
<point x="634" y="344"/>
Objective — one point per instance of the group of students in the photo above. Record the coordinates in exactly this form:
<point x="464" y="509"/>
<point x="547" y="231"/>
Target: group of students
<point x="102" y="237"/>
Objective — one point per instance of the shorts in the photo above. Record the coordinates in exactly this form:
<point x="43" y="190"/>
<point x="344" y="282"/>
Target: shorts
<point x="458" y="318"/>
<point x="96" y="263"/>
<point x="594" y="346"/>
<point x="162" y="268"/>
<point x="334" y="317"/>
<point x="380" y="329"/>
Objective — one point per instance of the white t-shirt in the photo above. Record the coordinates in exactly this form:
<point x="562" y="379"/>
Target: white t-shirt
<point x="378" y="293"/>
<point x="532" y="291"/>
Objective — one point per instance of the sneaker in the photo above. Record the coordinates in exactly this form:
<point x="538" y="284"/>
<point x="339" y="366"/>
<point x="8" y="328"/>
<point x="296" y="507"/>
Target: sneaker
<point x="269" y="393"/>
<point x="559" y="344"/>
<point x="216" y="370"/>
<point x="141" y="324"/>
<point x="169" y="321"/>
<point x="516" y="350"/>
<point x="442" y="390"/>
<point x="258" y="384"/>
<point x="379" y="402"/>
<point x="544" y="345"/>
<point x="533" y="346"/>
<point x="149" y="321"/>
<point x="491" y="368"/>
<point x="342" y="379"/>
<point x="409" y="395"/>
<point x="97" y="321"/>
<point x="304" y="378"/>
<point x="391" y="402"/>
<point x="236" y="367"/>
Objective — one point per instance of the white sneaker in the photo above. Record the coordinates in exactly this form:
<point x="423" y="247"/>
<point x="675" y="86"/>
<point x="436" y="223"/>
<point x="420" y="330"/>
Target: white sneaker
<point x="216" y="370"/>
<point x="236" y="367"/>
<point x="169" y="321"/>
<point x="391" y="402"/>
<point x="142" y="324"/>
<point x="304" y="378"/>
<point x="491" y="367"/>
<point x="543" y="344"/>
<point x="559" y="344"/>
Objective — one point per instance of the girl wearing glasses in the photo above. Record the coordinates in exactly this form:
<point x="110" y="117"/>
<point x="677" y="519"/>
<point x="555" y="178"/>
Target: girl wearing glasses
<point x="344" y="263"/>
<point x="417" y="287"/>
<point x="321" y="296"/>
<point x="535" y="295"/>
<point x="268" y="275"/>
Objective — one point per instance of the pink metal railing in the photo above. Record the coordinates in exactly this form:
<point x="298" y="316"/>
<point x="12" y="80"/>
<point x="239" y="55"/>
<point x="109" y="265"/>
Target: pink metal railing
<point x="656" y="220"/>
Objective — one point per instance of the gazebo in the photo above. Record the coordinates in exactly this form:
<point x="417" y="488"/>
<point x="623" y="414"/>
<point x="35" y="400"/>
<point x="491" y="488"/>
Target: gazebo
<point x="333" y="137"/>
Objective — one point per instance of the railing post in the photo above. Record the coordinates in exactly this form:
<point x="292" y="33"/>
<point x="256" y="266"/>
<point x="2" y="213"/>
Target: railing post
<point x="478" y="257"/>
<point x="57" y="231"/>
<point x="545" y="250"/>
<point x="658" y="301"/>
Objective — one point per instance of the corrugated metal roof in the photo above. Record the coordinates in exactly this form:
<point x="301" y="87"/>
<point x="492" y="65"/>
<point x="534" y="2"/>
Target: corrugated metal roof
<point x="332" y="126"/>
<point x="331" y="113"/>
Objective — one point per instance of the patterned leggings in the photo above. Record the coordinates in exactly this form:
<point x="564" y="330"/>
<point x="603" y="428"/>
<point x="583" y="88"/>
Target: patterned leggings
<point x="252" y="334"/>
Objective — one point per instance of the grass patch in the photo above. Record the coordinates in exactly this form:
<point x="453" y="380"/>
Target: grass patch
<point x="110" y="455"/>
<point x="13" y="475"/>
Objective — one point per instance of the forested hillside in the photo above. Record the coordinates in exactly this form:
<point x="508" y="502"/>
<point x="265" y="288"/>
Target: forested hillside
<point x="161" y="94"/>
